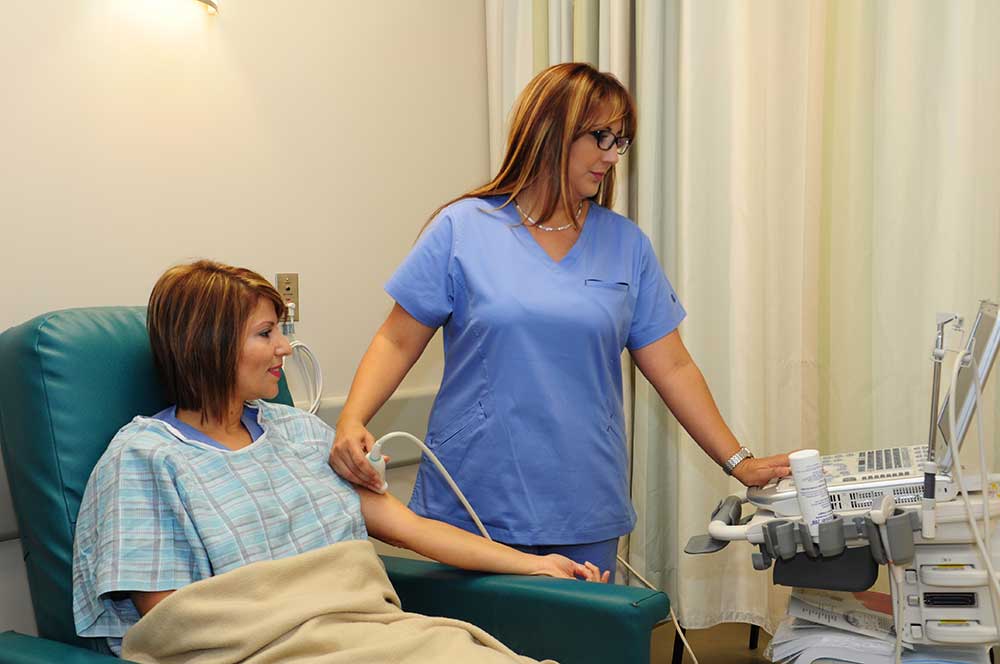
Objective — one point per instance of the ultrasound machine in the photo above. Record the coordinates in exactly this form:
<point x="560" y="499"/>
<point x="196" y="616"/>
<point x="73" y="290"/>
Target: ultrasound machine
<point x="911" y="508"/>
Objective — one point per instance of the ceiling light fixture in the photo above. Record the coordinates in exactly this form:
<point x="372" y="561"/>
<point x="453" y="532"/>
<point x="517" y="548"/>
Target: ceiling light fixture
<point x="211" y="6"/>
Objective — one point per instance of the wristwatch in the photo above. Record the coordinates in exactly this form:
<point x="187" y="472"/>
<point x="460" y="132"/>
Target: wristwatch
<point x="730" y="465"/>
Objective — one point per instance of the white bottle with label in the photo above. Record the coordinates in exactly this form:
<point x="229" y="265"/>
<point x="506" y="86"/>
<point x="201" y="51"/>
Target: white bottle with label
<point x="813" y="496"/>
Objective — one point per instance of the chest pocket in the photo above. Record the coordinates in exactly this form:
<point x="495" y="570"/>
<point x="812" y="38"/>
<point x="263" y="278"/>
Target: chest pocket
<point x="612" y="298"/>
<point x="621" y="286"/>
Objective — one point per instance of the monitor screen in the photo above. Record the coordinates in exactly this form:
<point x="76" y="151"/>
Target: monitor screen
<point x="983" y="341"/>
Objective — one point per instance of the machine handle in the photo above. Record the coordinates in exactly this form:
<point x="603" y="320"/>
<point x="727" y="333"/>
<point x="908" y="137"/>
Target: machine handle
<point x="722" y="531"/>
<point x="725" y="520"/>
<point x="959" y="631"/>
<point x="727" y="512"/>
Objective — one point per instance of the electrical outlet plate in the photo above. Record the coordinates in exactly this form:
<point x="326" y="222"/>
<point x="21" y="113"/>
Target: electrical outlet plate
<point x="287" y="284"/>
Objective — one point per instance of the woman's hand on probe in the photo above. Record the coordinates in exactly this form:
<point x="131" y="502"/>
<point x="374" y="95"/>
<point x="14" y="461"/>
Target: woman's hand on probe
<point x="348" y="455"/>
<point x="760" y="471"/>
<point x="562" y="567"/>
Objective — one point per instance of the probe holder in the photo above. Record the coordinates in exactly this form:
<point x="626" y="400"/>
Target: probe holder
<point x="828" y="563"/>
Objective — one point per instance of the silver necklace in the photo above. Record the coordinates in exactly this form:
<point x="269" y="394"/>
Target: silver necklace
<point x="531" y="222"/>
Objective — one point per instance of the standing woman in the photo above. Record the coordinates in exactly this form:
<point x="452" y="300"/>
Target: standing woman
<point x="539" y="287"/>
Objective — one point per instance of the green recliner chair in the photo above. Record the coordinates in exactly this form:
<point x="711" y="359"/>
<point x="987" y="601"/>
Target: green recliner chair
<point x="72" y="378"/>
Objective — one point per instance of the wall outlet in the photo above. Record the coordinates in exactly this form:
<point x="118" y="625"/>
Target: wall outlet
<point x="287" y="284"/>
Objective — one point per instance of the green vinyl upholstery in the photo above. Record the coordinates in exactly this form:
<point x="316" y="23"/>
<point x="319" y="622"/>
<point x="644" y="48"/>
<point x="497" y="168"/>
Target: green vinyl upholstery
<point x="72" y="378"/>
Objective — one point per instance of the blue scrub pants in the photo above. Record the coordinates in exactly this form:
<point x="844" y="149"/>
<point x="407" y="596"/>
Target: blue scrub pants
<point x="601" y="554"/>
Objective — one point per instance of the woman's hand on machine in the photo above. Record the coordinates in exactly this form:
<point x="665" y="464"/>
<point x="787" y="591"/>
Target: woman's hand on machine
<point x="348" y="455"/>
<point x="562" y="567"/>
<point x="760" y="471"/>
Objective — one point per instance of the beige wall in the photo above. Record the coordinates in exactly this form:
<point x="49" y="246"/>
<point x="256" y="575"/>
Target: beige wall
<point x="311" y="136"/>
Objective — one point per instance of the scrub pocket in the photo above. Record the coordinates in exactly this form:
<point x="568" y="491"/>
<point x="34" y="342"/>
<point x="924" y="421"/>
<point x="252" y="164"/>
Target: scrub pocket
<point x="460" y="427"/>
<point x="614" y="300"/>
<point x="617" y="442"/>
<point x="613" y="428"/>
<point x="610" y="285"/>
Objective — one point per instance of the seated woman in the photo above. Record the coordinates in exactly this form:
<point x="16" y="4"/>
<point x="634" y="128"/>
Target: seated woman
<point x="222" y="480"/>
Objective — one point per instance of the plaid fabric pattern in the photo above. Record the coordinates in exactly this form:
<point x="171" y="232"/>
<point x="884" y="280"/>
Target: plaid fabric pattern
<point x="161" y="511"/>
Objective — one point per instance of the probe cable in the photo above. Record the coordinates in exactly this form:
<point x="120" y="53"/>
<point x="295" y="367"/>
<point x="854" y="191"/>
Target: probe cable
<point x="953" y="444"/>
<point x="377" y="447"/>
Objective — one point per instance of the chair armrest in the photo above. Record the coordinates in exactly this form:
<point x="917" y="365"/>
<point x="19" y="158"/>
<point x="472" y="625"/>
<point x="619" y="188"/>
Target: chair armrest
<point x="21" y="649"/>
<point x="569" y="621"/>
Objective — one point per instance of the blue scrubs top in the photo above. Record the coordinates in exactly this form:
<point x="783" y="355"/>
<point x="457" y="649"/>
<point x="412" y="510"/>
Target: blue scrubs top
<point x="529" y="417"/>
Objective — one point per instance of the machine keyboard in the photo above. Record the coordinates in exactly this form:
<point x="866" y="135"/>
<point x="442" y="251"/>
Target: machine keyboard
<point x="888" y="459"/>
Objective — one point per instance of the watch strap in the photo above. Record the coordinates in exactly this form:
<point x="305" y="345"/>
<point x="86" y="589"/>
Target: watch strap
<point x="742" y="455"/>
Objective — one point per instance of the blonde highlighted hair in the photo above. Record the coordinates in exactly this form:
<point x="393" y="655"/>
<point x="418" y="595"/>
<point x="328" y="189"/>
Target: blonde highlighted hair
<point x="559" y="105"/>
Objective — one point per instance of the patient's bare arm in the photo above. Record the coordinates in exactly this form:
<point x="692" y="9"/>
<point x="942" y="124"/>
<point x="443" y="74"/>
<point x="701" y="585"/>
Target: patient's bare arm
<point x="145" y="601"/>
<point x="389" y="520"/>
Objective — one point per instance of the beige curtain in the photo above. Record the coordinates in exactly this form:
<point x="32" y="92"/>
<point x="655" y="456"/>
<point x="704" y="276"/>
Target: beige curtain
<point x="740" y="151"/>
<point x="819" y="179"/>
<point x="525" y="36"/>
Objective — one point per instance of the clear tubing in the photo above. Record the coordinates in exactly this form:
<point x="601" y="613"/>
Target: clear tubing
<point x="316" y="389"/>
<point x="313" y="380"/>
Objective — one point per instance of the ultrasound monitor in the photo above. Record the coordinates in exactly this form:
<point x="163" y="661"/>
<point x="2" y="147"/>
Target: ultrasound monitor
<point x="983" y="342"/>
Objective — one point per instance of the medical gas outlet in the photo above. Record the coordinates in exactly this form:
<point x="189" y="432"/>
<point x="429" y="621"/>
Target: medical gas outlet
<point x="287" y="284"/>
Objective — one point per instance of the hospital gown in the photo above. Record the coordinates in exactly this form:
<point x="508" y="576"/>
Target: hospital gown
<point x="162" y="511"/>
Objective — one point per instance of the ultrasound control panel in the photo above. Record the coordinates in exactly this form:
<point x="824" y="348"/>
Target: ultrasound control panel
<point x="856" y="480"/>
<point x="868" y="465"/>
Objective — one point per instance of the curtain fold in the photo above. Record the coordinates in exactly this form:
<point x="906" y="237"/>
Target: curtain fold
<point x="818" y="179"/>
<point x="510" y="64"/>
<point x="525" y="36"/>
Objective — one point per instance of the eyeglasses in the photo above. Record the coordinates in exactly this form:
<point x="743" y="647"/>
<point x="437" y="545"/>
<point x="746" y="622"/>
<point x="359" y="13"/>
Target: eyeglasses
<point x="607" y="140"/>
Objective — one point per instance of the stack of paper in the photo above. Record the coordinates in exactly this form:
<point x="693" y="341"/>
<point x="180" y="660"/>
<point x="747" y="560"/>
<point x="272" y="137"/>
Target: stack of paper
<point x="828" y="626"/>
<point x="799" y="641"/>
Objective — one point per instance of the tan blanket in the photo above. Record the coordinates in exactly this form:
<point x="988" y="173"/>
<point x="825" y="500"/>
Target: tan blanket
<point x="330" y="605"/>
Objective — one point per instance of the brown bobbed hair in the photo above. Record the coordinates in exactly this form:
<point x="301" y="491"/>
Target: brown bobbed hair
<point x="196" y="320"/>
<point x="558" y="106"/>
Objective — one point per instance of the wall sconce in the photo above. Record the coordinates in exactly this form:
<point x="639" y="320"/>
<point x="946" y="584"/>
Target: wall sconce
<point x="211" y="6"/>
